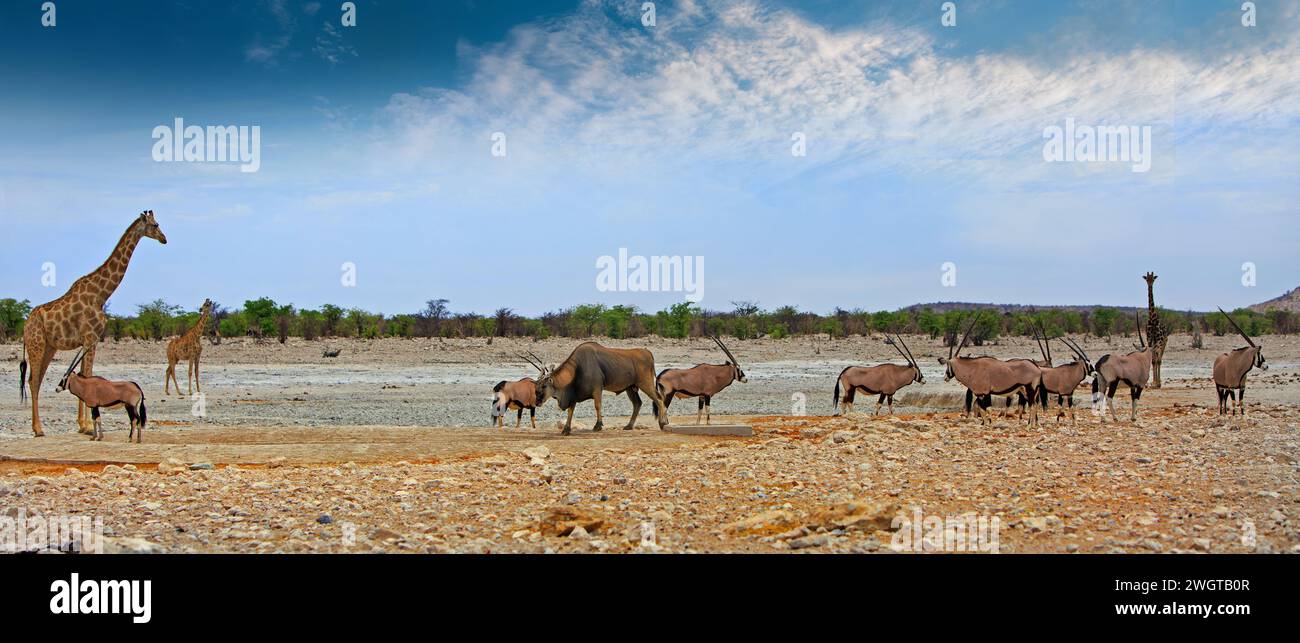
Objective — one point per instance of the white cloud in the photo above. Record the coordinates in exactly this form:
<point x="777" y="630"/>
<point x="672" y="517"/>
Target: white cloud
<point x="728" y="84"/>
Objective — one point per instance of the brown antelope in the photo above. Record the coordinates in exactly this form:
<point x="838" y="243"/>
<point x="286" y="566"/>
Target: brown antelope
<point x="97" y="393"/>
<point x="702" y="381"/>
<point x="1044" y="349"/>
<point x="516" y="396"/>
<point x="1230" y="371"/>
<point x="882" y="379"/>
<point x="1063" y="380"/>
<point x="592" y="369"/>
<point x="1133" y="369"/>
<point x="985" y="377"/>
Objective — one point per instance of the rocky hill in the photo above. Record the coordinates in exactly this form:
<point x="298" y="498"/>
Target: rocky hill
<point x="1289" y="301"/>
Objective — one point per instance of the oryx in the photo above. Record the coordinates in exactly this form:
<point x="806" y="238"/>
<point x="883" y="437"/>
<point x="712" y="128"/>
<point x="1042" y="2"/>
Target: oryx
<point x="99" y="393"/>
<point x="1063" y="380"/>
<point x="516" y="396"/>
<point x="702" y="381"/>
<point x="1133" y="369"/>
<point x="882" y="379"/>
<point x="1230" y="371"/>
<point x="985" y="377"/>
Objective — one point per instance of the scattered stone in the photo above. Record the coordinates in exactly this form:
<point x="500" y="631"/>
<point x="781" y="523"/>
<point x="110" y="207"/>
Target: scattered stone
<point x="815" y="540"/>
<point x="171" y="465"/>
<point x="561" y="521"/>
<point x="130" y="545"/>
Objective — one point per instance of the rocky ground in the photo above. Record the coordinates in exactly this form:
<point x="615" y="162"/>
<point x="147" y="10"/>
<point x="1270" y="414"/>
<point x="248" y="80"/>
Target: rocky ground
<point x="1181" y="480"/>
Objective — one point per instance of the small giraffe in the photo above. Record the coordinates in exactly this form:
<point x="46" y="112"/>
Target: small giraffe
<point x="187" y="347"/>
<point x="76" y="320"/>
<point x="1157" y="332"/>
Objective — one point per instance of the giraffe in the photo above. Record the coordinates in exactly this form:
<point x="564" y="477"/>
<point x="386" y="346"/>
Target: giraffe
<point x="187" y="347"/>
<point x="76" y="320"/>
<point x="1157" y="332"/>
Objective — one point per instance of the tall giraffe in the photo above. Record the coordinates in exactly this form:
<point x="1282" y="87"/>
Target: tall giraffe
<point x="76" y="320"/>
<point x="1157" y="332"/>
<point x="187" y="347"/>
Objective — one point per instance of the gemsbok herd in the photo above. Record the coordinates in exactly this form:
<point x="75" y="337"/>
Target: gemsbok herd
<point x="593" y="369"/>
<point x="77" y="321"/>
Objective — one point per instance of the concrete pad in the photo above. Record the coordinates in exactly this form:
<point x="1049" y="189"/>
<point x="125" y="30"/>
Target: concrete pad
<point x="739" y="430"/>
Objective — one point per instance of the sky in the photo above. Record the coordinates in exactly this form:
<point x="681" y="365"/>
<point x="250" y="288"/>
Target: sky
<point x="923" y="176"/>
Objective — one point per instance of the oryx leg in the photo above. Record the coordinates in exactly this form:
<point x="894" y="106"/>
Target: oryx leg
<point x="519" y="417"/>
<point x="131" y="417"/>
<point x="879" y="401"/>
<point x="891" y="404"/>
<point x="699" y="414"/>
<point x="95" y="433"/>
<point x="1134" y="394"/>
<point x="636" y="408"/>
<point x="970" y="397"/>
<point x="1110" y="399"/>
<point x="1241" y="400"/>
<point x="708" y="409"/>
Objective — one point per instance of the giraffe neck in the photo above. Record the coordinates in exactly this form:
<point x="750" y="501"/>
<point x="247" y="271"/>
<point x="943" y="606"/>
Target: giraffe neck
<point x="197" y="331"/>
<point x="1151" y="298"/>
<point x="104" y="280"/>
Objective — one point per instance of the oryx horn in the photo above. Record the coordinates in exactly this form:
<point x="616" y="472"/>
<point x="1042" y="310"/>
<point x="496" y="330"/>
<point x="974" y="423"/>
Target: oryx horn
<point x="1239" y="330"/>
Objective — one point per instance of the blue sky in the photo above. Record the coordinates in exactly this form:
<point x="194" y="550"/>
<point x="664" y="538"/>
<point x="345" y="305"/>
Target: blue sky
<point x="924" y="146"/>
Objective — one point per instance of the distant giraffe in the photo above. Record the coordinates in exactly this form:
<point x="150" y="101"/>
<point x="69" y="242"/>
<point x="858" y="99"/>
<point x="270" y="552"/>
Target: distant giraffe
<point x="1157" y="332"/>
<point x="76" y="320"/>
<point x="187" y="347"/>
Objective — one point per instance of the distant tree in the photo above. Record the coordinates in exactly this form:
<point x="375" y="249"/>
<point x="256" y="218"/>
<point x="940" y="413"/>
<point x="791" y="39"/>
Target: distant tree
<point x="1103" y="321"/>
<point x="430" y="319"/>
<point x="155" y="317"/>
<point x="13" y="314"/>
<point x="330" y="316"/>
<point x="261" y="314"/>
<point x="284" y="317"/>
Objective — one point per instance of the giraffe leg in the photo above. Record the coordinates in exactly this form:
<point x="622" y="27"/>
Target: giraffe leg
<point x="85" y="424"/>
<point x="189" y="379"/>
<point x="42" y="355"/>
<point x="196" y="375"/>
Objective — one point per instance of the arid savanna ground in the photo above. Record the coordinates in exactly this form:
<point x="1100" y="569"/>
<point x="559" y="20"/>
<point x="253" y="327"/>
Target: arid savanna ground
<point x="387" y="448"/>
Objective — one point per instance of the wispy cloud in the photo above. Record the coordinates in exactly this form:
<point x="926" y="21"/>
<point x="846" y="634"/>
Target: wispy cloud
<point x="729" y="83"/>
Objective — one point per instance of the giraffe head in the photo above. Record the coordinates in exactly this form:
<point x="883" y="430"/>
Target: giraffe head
<point x="206" y="308"/>
<point x="150" y="227"/>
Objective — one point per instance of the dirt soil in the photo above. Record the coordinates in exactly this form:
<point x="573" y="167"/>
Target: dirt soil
<point x="1182" y="479"/>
